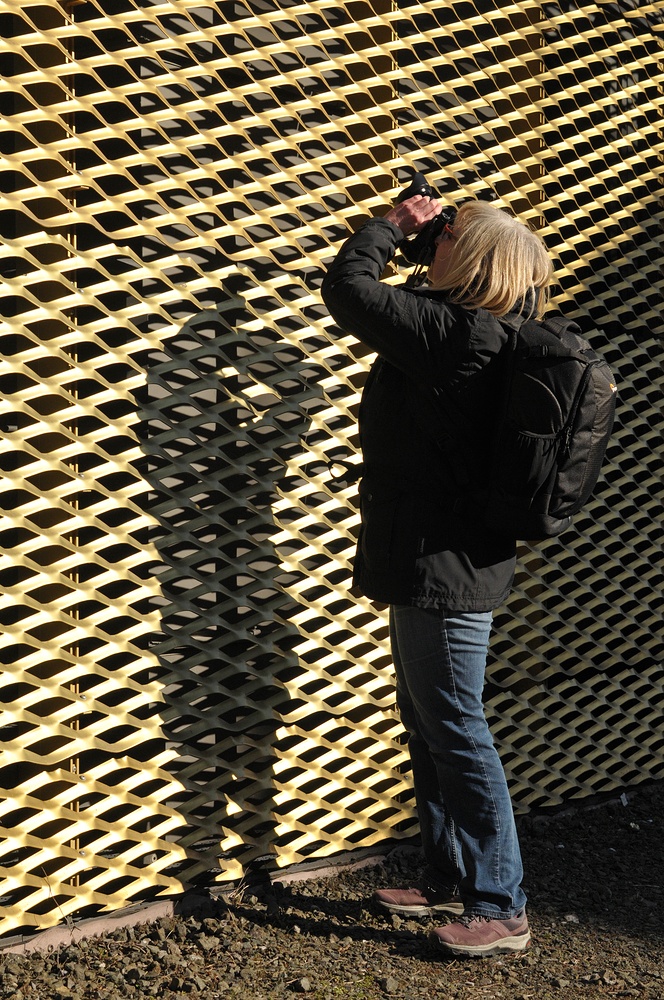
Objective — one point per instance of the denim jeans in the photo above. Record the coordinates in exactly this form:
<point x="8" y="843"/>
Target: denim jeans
<point x="468" y="833"/>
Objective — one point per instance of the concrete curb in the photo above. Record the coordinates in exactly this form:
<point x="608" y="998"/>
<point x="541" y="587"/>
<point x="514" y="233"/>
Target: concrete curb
<point x="72" y="933"/>
<point x="189" y="903"/>
<point x="204" y="901"/>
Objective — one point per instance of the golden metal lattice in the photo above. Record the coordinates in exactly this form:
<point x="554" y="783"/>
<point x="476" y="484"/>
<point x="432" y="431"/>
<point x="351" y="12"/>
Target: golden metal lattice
<point x="187" y="684"/>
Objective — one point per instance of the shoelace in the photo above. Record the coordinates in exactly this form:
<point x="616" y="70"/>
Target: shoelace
<point x="434" y="890"/>
<point x="467" y="918"/>
<point x="429" y="890"/>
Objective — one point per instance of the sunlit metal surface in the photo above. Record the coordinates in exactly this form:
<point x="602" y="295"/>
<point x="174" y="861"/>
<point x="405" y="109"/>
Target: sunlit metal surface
<point x="188" y="685"/>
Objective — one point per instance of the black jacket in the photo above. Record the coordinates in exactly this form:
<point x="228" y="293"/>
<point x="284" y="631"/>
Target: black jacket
<point x="424" y="422"/>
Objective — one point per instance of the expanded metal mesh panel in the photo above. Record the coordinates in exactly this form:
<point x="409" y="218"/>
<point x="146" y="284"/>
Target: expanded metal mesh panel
<point x="188" y="684"/>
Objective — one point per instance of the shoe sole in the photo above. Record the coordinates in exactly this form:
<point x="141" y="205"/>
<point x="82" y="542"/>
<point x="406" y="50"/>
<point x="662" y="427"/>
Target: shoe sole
<point x="421" y="911"/>
<point x="502" y="947"/>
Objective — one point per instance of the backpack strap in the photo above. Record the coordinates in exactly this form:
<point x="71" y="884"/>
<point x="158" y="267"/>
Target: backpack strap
<point x="540" y="343"/>
<point x="514" y="321"/>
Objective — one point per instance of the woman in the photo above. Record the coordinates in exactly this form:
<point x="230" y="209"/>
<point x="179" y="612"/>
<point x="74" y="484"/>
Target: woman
<point x="425" y="422"/>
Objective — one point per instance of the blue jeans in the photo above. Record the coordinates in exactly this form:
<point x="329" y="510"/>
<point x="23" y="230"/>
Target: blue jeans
<point x="468" y="833"/>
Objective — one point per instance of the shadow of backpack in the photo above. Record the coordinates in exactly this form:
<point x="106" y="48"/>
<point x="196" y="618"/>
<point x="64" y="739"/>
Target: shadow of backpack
<point x="555" y="420"/>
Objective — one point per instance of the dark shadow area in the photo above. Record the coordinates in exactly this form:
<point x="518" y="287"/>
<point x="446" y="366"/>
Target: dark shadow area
<point x="596" y="871"/>
<point x="223" y="413"/>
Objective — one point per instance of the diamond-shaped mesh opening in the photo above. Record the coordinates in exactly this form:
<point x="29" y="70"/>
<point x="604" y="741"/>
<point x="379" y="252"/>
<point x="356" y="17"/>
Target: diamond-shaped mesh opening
<point x="188" y="684"/>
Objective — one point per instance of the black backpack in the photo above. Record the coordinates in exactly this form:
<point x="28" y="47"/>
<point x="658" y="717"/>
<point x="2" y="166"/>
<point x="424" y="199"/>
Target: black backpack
<point x="551" y="436"/>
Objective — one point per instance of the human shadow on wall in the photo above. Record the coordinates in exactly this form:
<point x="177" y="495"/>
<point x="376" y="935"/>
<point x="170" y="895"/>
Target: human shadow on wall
<point x="223" y="413"/>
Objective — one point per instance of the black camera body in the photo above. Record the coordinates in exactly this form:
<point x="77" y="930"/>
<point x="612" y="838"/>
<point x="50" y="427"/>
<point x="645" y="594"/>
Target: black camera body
<point x="421" y="248"/>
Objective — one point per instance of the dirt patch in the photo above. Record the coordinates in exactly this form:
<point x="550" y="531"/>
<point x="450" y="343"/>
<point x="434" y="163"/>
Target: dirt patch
<point x="595" y="881"/>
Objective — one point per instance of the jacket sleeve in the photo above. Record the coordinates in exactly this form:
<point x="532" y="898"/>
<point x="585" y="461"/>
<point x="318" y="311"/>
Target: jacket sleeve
<point x="389" y="320"/>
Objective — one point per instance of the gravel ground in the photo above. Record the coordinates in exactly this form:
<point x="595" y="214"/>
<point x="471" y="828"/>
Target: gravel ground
<point x="595" y="880"/>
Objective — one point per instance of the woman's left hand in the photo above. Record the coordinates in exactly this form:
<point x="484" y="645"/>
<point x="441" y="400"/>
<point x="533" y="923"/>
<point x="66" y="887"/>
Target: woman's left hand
<point x="414" y="213"/>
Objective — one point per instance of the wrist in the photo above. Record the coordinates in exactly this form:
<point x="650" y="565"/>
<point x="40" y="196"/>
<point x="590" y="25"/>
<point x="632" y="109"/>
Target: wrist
<point x="397" y="219"/>
<point x="394" y="226"/>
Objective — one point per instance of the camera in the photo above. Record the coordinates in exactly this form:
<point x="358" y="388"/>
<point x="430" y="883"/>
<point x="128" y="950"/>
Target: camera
<point x="421" y="248"/>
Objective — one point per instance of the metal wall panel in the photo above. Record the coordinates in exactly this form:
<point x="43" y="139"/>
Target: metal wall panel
<point x="188" y="685"/>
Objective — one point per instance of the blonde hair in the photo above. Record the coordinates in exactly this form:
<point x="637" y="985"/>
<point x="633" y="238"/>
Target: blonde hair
<point x="496" y="263"/>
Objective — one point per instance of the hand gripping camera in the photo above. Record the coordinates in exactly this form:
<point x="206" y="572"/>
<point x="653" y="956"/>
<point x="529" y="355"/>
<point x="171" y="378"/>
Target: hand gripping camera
<point x="421" y="248"/>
